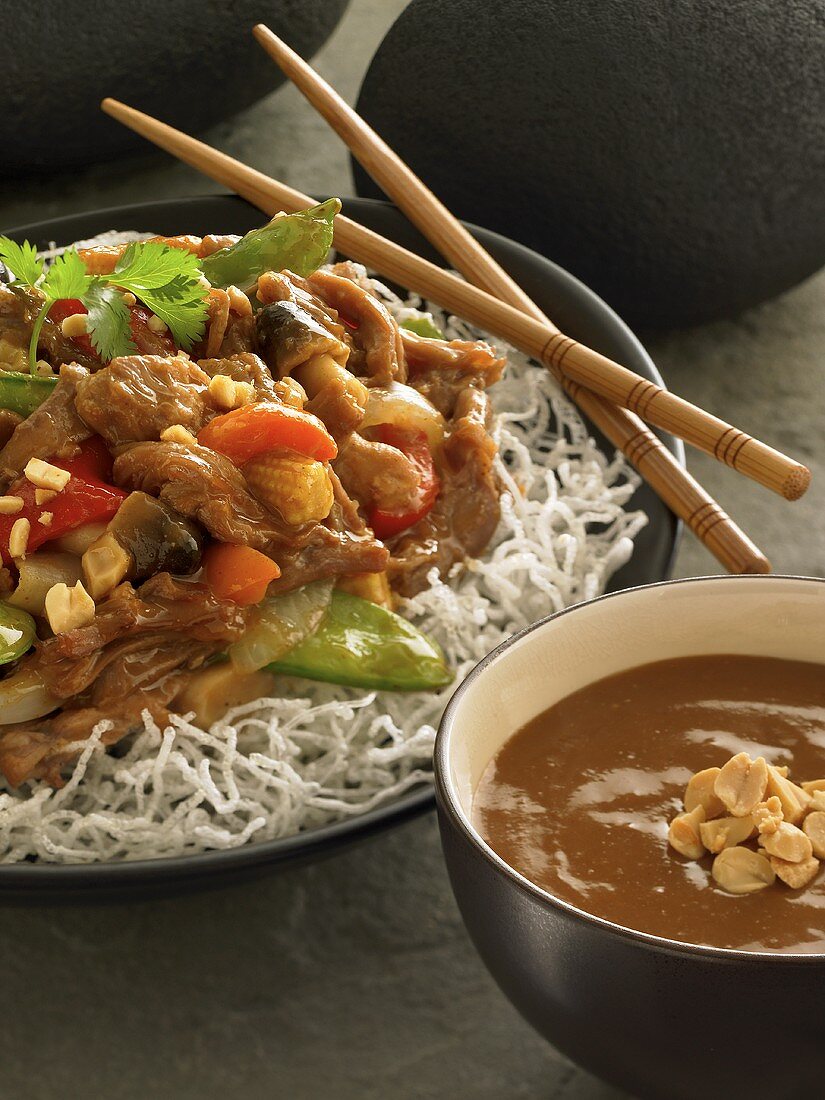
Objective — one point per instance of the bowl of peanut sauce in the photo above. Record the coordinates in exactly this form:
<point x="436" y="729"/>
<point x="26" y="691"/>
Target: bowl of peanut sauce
<point x="631" y="797"/>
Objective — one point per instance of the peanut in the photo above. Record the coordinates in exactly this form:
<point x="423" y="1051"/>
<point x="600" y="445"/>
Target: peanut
<point x="767" y="816"/>
<point x="788" y="843"/>
<point x="683" y="834"/>
<point x="700" y="792"/>
<point x="741" y="871"/>
<point x="741" y="783"/>
<point x="725" y="832"/>
<point x="794" y="800"/>
<point x="795" y="875"/>
<point x="814" y="828"/>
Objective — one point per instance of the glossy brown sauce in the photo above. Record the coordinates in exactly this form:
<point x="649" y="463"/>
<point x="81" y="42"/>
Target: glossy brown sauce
<point x="579" y="799"/>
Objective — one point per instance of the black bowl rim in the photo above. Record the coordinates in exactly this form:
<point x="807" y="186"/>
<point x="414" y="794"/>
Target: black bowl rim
<point x="448" y="802"/>
<point x="40" y="879"/>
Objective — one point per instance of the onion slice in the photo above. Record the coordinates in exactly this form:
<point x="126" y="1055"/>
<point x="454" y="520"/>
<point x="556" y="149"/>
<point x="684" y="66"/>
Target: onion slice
<point x="405" y="408"/>
<point x="23" y="697"/>
<point x="283" y="622"/>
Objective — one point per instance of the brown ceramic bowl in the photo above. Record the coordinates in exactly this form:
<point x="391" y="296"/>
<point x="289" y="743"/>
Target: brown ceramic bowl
<point x="660" y="1018"/>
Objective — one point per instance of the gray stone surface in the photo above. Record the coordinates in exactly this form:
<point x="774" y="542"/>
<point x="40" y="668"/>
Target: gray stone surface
<point x="352" y="978"/>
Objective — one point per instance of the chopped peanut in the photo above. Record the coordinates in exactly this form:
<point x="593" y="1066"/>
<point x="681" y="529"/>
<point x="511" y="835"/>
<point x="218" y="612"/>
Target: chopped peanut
<point x="741" y="871"/>
<point x="814" y="828"/>
<point x="105" y="564"/>
<point x="297" y="487"/>
<point x="46" y="518"/>
<point x="725" y="832"/>
<point x="176" y="433"/>
<point x="813" y="785"/>
<point x="156" y="325"/>
<point x="238" y="302"/>
<point x="74" y="325"/>
<point x="788" y="843"/>
<point x="683" y="834"/>
<point x="228" y="394"/>
<point x="794" y="799"/>
<point x="9" y="506"/>
<point x="700" y="792"/>
<point x="129" y="299"/>
<point x="795" y="875"/>
<point x="741" y="783"/>
<point x="45" y="476"/>
<point x="767" y="816"/>
<point x="19" y="538"/>
<point x="43" y="496"/>
<point x="68" y="608"/>
<point x="291" y="392"/>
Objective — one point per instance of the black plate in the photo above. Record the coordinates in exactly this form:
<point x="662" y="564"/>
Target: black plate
<point x="577" y="311"/>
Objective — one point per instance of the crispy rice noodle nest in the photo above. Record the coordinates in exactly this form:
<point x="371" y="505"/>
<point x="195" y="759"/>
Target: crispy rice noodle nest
<point x="320" y="753"/>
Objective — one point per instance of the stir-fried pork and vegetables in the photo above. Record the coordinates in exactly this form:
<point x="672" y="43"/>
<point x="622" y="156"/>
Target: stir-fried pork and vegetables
<point x="220" y="460"/>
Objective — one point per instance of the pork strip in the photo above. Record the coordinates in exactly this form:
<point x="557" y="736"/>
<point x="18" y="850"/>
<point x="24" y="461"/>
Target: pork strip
<point x="52" y="431"/>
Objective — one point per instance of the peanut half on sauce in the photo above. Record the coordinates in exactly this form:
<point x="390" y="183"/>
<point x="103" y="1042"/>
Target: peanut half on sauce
<point x="756" y="822"/>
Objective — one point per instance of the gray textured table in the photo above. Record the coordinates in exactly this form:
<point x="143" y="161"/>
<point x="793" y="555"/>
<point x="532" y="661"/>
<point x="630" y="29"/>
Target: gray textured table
<point x="352" y="978"/>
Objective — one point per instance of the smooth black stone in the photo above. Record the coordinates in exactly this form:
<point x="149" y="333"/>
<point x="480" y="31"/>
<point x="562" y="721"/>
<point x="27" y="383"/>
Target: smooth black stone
<point x="670" y="155"/>
<point x="190" y="63"/>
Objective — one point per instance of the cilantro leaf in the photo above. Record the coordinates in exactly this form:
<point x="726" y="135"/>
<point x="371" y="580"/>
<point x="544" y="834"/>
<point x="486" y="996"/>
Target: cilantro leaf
<point x="182" y="306"/>
<point x="167" y="281"/>
<point x="21" y="260"/>
<point x="108" y="321"/>
<point x="66" y="278"/>
<point x="150" y="265"/>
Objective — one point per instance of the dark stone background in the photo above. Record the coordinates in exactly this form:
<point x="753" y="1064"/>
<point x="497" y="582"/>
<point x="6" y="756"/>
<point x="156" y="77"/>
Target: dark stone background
<point x="352" y="979"/>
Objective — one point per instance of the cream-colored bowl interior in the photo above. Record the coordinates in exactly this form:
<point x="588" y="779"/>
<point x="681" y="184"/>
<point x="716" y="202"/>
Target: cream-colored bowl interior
<point x="759" y="616"/>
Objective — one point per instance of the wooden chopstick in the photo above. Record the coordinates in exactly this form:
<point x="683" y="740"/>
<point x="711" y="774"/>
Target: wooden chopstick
<point x="596" y="372"/>
<point x="673" y="484"/>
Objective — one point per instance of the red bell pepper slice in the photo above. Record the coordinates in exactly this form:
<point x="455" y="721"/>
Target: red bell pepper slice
<point x="416" y="447"/>
<point x="69" y="307"/>
<point x="78" y="503"/>
<point x="253" y="430"/>
<point x="92" y="463"/>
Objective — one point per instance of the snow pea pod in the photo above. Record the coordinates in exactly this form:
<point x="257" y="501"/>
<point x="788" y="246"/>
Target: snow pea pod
<point x="299" y="242"/>
<point x="17" y="632"/>
<point x="360" y="644"/>
<point x="22" y="393"/>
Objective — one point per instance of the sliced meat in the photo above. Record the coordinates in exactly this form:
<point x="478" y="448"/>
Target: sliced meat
<point x="467" y="511"/>
<point x="19" y="308"/>
<point x="15" y="329"/>
<point x="442" y="369"/>
<point x="53" y="430"/>
<point x="329" y="554"/>
<point x="239" y="336"/>
<point x="376" y="334"/>
<point x="206" y="486"/>
<point x="130" y="658"/>
<point x="137" y="396"/>
<point x="376" y="474"/>
<point x="103" y="259"/>
<point x="244" y="367"/>
<point x="42" y="749"/>
<point x="337" y="407"/>
<point x="8" y="423"/>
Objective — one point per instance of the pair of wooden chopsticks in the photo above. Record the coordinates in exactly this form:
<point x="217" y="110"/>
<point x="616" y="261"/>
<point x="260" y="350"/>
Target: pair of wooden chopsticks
<point x="609" y="384"/>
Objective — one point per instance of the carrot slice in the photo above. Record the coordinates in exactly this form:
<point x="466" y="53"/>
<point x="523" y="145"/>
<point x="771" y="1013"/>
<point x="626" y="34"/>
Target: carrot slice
<point x="238" y="573"/>
<point x="255" y="429"/>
